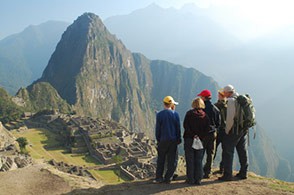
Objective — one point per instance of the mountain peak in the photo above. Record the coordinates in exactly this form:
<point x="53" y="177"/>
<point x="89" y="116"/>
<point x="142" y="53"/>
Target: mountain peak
<point x="89" y="17"/>
<point x="87" y="21"/>
<point x="154" y="6"/>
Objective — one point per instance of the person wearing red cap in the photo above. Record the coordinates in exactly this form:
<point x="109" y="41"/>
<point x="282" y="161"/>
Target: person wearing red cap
<point x="209" y="142"/>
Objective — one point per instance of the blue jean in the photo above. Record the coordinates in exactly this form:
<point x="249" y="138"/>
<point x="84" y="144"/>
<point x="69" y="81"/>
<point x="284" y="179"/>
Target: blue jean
<point x="194" y="166"/>
<point x="229" y="143"/>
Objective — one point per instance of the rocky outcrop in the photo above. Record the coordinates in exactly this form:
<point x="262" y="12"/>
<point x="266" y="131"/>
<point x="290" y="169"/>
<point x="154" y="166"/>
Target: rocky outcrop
<point x="8" y="163"/>
<point x="42" y="96"/>
<point x="9" y="111"/>
<point x="9" y="160"/>
<point x="6" y="139"/>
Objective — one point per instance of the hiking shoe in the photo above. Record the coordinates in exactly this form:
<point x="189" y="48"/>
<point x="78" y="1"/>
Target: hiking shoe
<point x="158" y="180"/>
<point x="225" y="178"/>
<point x="167" y="181"/>
<point x="218" y="172"/>
<point x="189" y="182"/>
<point x="175" y="177"/>
<point x="241" y="176"/>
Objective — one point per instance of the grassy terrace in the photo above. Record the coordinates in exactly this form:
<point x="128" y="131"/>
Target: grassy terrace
<point x="277" y="184"/>
<point x="44" y="144"/>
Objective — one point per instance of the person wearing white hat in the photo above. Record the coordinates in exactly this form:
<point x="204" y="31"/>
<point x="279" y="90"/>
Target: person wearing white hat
<point x="232" y="139"/>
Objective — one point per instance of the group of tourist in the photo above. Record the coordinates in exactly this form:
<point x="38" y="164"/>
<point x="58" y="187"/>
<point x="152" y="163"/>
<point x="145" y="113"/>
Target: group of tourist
<point x="206" y="125"/>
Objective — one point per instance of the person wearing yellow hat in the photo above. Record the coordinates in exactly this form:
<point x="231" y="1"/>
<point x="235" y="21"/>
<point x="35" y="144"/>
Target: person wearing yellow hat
<point x="168" y="136"/>
<point x="221" y="104"/>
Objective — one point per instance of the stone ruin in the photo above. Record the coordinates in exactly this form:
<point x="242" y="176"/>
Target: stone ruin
<point x="8" y="163"/>
<point x="134" y="169"/>
<point x="104" y="140"/>
<point x="9" y="157"/>
<point x="71" y="169"/>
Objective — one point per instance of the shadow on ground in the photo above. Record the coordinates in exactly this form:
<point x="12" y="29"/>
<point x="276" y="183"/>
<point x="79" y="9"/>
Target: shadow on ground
<point x="139" y="188"/>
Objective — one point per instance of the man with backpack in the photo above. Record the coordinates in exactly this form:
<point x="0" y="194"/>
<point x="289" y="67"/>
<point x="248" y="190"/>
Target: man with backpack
<point x="239" y="118"/>
<point x="209" y="142"/>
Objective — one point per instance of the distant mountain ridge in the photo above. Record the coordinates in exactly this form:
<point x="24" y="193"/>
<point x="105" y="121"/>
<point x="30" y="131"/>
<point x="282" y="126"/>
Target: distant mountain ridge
<point x="194" y="40"/>
<point x="23" y="56"/>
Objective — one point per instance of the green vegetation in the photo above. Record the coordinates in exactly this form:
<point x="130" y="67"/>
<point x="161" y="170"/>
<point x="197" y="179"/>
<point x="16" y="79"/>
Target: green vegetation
<point x="282" y="186"/>
<point x="108" y="176"/>
<point x="9" y="111"/>
<point x="118" y="160"/>
<point x="277" y="184"/>
<point x="42" y="96"/>
<point x="22" y="142"/>
<point x="45" y="144"/>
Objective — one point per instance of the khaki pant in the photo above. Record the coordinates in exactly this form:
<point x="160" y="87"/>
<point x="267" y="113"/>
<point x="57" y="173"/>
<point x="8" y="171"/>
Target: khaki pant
<point x="209" y="145"/>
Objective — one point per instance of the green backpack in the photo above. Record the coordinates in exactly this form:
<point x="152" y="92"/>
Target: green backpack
<point x="246" y="112"/>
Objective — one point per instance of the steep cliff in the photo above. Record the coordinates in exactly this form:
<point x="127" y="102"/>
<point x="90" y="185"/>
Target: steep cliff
<point x="92" y="70"/>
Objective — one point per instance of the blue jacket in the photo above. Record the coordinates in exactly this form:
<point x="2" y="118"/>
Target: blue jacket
<point x="168" y="126"/>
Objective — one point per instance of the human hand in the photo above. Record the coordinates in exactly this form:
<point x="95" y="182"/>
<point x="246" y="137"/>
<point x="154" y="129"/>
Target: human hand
<point x="221" y="96"/>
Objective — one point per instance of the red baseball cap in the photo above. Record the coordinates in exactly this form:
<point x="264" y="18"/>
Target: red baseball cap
<point x="204" y="93"/>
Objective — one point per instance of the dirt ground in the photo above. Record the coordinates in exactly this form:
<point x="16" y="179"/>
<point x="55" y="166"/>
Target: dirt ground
<point x="32" y="180"/>
<point x="42" y="179"/>
<point x="254" y="186"/>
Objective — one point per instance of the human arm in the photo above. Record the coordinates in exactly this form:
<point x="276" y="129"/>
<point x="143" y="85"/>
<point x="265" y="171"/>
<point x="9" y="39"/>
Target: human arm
<point x="178" y="128"/>
<point x="217" y="117"/>
<point x="186" y="122"/>
<point x="157" y="128"/>
<point x="231" y="111"/>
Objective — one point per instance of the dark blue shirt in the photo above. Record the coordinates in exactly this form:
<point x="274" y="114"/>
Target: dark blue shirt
<point x="214" y="115"/>
<point x="168" y="126"/>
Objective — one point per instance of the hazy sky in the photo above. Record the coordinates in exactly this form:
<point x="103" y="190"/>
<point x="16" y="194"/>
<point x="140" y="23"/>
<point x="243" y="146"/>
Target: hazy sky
<point x="265" y="15"/>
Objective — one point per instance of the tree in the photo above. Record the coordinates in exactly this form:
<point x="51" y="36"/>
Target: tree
<point x="22" y="142"/>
